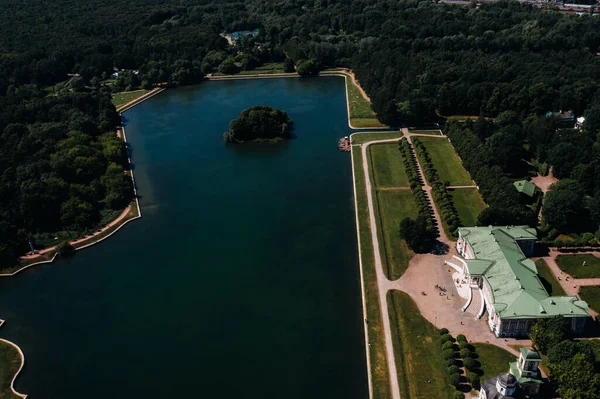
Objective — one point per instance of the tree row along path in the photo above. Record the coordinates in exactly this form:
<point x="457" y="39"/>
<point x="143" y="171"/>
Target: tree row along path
<point x="475" y="329"/>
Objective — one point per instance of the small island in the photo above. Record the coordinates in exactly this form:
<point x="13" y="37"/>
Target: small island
<point x="259" y="123"/>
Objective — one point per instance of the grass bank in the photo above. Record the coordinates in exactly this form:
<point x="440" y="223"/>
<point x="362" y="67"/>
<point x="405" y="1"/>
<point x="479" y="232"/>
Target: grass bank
<point x="429" y="132"/>
<point x="591" y="294"/>
<point x="127" y="96"/>
<point x="446" y="162"/>
<point x="11" y="362"/>
<point x="573" y="264"/>
<point x="419" y="362"/>
<point x="377" y="353"/>
<point x="468" y="204"/>
<point x="548" y="280"/>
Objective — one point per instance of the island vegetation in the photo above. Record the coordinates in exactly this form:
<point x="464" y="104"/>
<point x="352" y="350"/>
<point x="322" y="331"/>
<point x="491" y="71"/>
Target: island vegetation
<point x="259" y="123"/>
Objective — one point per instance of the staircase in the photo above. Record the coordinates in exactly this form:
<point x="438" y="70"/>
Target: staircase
<point x="475" y="305"/>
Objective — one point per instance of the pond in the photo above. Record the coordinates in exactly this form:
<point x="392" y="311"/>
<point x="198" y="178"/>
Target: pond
<point x="240" y="280"/>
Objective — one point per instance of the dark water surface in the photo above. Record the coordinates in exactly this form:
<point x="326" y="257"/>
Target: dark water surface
<point x="241" y="279"/>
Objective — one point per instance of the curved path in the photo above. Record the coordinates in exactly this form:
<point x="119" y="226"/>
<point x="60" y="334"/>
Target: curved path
<point x="22" y="356"/>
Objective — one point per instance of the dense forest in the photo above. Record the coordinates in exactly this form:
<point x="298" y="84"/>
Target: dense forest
<point x="61" y="165"/>
<point x="259" y="123"/>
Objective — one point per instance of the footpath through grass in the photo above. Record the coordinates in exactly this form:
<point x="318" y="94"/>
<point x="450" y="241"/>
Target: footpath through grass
<point x="419" y="362"/>
<point x="494" y="360"/>
<point x="468" y="204"/>
<point x="360" y="138"/>
<point x="127" y="96"/>
<point x="446" y="162"/>
<point x="591" y="294"/>
<point x="548" y="280"/>
<point x="573" y="264"/>
<point x="10" y="361"/>
<point x="387" y="164"/>
<point x="377" y="352"/>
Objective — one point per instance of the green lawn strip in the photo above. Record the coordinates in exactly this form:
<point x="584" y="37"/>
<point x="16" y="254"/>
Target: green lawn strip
<point x="365" y="122"/>
<point x="430" y="132"/>
<point x="591" y="294"/>
<point x="393" y="207"/>
<point x="127" y="96"/>
<point x="377" y="352"/>
<point x="388" y="166"/>
<point x="360" y="138"/>
<point x="468" y="204"/>
<point x="417" y="351"/>
<point x="548" y="280"/>
<point x="494" y="360"/>
<point x="271" y="67"/>
<point x="446" y="162"/>
<point x="573" y="264"/>
<point x="10" y="361"/>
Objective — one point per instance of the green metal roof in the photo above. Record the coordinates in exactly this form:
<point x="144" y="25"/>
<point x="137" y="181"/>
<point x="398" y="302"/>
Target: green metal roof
<point x="511" y="278"/>
<point x="529" y="354"/>
<point x="525" y="186"/>
<point x="514" y="370"/>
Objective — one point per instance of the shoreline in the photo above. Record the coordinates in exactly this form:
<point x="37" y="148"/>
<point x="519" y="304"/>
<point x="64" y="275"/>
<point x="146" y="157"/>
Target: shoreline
<point x="22" y="356"/>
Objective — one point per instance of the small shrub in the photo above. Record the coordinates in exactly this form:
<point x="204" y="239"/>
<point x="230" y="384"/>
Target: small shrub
<point x="448" y="354"/>
<point x="461" y="338"/>
<point x="465" y="345"/>
<point x="474" y="380"/>
<point x="64" y="249"/>
<point x="448" y="345"/>
<point x="469" y="363"/>
<point x="458" y="395"/>
<point x="454" y="379"/>
<point x="453" y="370"/>
<point x="446" y="338"/>
<point x="465" y="352"/>
<point x="451" y="362"/>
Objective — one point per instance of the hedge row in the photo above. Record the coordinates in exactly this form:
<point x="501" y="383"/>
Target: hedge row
<point x="414" y="179"/>
<point x="466" y="352"/>
<point x="442" y="198"/>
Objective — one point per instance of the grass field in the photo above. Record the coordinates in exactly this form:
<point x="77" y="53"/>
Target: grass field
<point x="430" y="132"/>
<point x="591" y="294"/>
<point x="420" y="366"/>
<point x="494" y="360"/>
<point x="393" y="207"/>
<point x="446" y="162"/>
<point x="361" y="113"/>
<point x="468" y="204"/>
<point x="377" y="353"/>
<point x="548" y="280"/>
<point x="360" y="138"/>
<point x="11" y="361"/>
<point x="271" y="67"/>
<point x="386" y="162"/>
<point x="127" y="96"/>
<point x="573" y="264"/>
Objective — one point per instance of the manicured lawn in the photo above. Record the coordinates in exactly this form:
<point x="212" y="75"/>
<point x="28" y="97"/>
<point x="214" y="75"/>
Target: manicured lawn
<point x="430" y="132"/>
<point x="127" y="96"/>
<point x="365" y="122"/>
<point x="417" y="351"/>
<point x="387" y="165"/>
<point x="10" y="361"/>
<point x="272" y="67"/>
<point x="591" y="294"/>
<point x="494" y="360"/>
<point x="548" y="280"/>
<point x="393" y="207"/>
<point x="360" y="138"/>
<point x="446" y="162"/>
<point x="573" y="264"/>
<point x="468" y="204"/>
<point x="377" y="352"/>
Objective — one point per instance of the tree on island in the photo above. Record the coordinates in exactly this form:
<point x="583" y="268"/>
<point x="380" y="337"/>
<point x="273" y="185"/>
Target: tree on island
<point x="259" y="123"/>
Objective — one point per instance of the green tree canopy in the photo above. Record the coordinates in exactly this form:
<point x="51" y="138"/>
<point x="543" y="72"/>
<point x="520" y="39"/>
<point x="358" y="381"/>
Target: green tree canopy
<point x="259" y="122"/>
